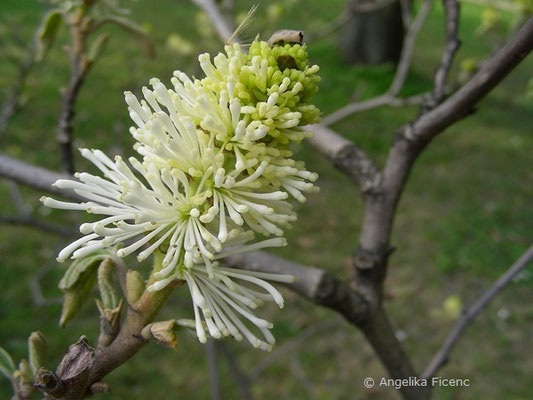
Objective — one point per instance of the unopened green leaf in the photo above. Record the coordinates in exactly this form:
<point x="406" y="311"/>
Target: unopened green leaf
<point x="77" y="283"/>
<point x="106" y="285"/>
<point x="48" y="32"/>
<point x="80" y="267"/>
<point x="38" y="350"/>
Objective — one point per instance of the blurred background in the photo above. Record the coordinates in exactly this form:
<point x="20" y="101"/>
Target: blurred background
<point x="465" y="216"/>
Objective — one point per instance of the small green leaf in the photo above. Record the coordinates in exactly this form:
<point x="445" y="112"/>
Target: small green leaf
<point x="7" y="366"/>
<point x="106" y="285"/>
<point x="77" y="283"/>
<point x="137" y="32"/>
<point x="74" y="298"/>
<point x="37" y="350"/>
<point x="48" y="32"/>
<point x="26" y="372"/>
<point x="80" y="267"/>
<point x="97" y="46"/>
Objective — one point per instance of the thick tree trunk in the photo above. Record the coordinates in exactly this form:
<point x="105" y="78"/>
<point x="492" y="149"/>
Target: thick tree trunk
<point x="373" y="34"/>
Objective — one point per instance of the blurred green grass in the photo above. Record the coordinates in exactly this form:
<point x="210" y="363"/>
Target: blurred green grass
<point x="464" y="218"/>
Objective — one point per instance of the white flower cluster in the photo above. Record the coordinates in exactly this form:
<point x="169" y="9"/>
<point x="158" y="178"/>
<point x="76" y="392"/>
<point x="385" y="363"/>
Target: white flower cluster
<point x="215" y="171"/>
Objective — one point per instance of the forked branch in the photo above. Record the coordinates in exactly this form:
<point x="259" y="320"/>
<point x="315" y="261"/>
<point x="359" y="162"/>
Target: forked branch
<point x="390" y="96"/>
<point x="451" y="11"/>
<point x="442" y="356"/>
<point x="463" y="102"/>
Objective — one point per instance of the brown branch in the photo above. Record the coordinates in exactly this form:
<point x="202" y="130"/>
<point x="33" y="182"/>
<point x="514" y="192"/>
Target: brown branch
<point x="371" y="257"/>
<point x="408" y="101"/>
<point x="408" y="48"/>
<point x="442" y="356"/>
<point x="358" y="304"/>
<point x="222" y="26"/>
<point x="346" y="156"/>
<point x="35" y="177"/>
<point x="324" y="289"/>
<point x="212" y="367"/>
<point x="16" y="198"/>
<point x="413" y="137"/>
<point x="314" y="284"/>
<point x="66" y="120"/>
<point x="12" y="103"/>
<point x="381" y="335"/>
<point x="79" y="67"/>
<point x="356" y="107"/>
<point x="462" y="103"/>
<point x="127" y="343"/>
<point x="26" y="220"/>
<point x="403" y="153"/>
<point x="451" y="11"/>
<point x="95" y="365"/>
<point x="376" y="102"/>
<point x="400" y="76"/>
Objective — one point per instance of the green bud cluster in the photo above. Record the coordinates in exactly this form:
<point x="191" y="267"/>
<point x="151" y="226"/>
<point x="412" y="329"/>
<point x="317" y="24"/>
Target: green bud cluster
<point x="280" y="70"/>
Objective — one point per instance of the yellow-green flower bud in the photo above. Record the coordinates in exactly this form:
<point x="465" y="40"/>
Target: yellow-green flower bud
<point x="134" y="286"/>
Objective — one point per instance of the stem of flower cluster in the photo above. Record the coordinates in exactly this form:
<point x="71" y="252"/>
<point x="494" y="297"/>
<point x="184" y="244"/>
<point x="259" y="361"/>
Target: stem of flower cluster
<point x="90" y="366"/>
